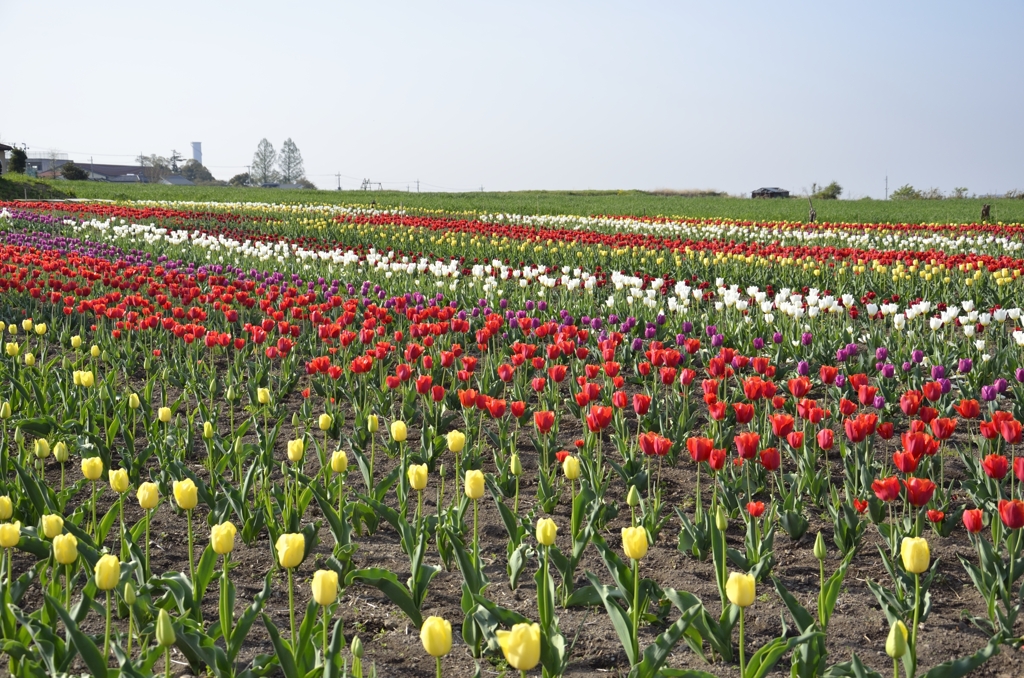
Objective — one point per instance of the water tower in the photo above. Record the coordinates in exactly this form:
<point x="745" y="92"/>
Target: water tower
<point x="197" y="151"/>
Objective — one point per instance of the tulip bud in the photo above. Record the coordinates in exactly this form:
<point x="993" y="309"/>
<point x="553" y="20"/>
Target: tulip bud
<point x="819" y="547"/>
<point x="6" y="508"/>
<point x="186" y="494"/>
<point x="915" y="554"/>
<point x="76" y="341"/>
<point x="357" y="648"/>
<point x="721" y="520"/>
<point x="740" y="589"/>
<point x="633" y="496"/>
<point x="339" y="461"/>
<point x="164" y="414"/>
<point x="108" y="572"/>
<point x="65" y="548"/>
<point x="896" y="643"/>
<point x="65" y="363"/>
<point x="118" y="480"/>
<point x="129" y="593"/>
<point x="325" y="422"/>
<point x="238" y="445"/>
<point x="263" y="396"/>
<point x="19" y="436"/>
<point x="222" y="538"/>
<point x="5" y="411"/>
<point x="516" y="466"/>
<point x="133" y="401"/>
<point x="372" y="423"/>
<point x="165" y="630"/>
<point x="230" y="393"/>
<point x="60" y="452"/>
<point x="207" y="430"/>
<point x="94" y="351"/>
<point x="521" y="646"/>
<point x="571" y="467"/>
<point x="92" y="468"/>
<point x="295" y="419"/>
<point x="42" y="448"/>
<point x="417" y="475"/>
<point x="148" y="495"/>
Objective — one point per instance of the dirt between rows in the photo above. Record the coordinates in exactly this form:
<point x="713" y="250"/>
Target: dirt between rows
<point x="392" y="643"/>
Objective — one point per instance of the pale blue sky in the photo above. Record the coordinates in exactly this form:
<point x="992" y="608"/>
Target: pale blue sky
<point x="726" y="95"/>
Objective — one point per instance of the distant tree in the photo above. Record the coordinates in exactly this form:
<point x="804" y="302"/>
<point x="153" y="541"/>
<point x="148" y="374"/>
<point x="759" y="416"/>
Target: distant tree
<point x="830" y="192"/>
<point x="932" y="194"/>
<point x="154" y="167"/>
<point x="196" y="172"/>
<point x="905" y="192"/>
<point x="175" y="159"/>
<point x="263" y="161"/>
<point x="959" y="192"/>
<point x="290" y="162"/>
<point x="18" y="161"/>
<point x="306" y="183"/>
<point x="242" y="179"/>
<point x="73" y="172"/>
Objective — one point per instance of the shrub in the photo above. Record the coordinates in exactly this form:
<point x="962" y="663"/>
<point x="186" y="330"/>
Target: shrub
<point x="73" y="172"/>
<point x="830" y="192"/>
<point x="905" y="192"/>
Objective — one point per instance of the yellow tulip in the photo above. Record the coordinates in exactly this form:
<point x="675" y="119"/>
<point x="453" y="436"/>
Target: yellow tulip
<point x="148" y="495"/>
<point x="40" y="329"/>
<point x="436" y="636"/>
<point x="186" y="494"/>
<point x="12" y="349"/>
<point x="740" y="589"/>
<point x="571" y="467"/>
<point x="133" y="401"/>
<point x="60" y="452"/>
<point x="88" y="379"/>
<point x="207" y="430"/>
<point x="5" y="411"/>
<point x="474" y="484"/>
<point x="291" y="549"/>
<point x="94" y="351"/>
<point x="634" y="542"/>
<point x="296" y="448"/>
<point x="53" y="525"/>
<point x="372" y="423"/>
<point x="6" y="508"/>
<point x="399" y="431"/>
<point x="118" y="480"/>
<point x="222" y="538"/>
<point x="521" y="646"/>
<point x="456" y="441"/>
<point x="896" y="643"/>
<point x="417" y="475"/>
<point x="263" y="396"/>
<point x="325" y="587"/>
<point x="515" y="466"/>
<point x="916" y="555"/>
<point x="546" y="530"/>
<point x="108" y="572"/>
<point x="164" y="415"/>
<point x="92" y="468"/>
<point x="325" y="422"/>
<point x="30" y="360"/>
<point x="76" y="341"/>
<point x="65" y="548"/>
<point x="339" y="461"/>
<point x="165" y="636"/>
<point x="26" y="324"/>
<point x="42" y="448"/>
<point x="10" y="534"/>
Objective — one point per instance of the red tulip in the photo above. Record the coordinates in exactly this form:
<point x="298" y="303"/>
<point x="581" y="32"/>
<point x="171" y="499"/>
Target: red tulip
<point x="496" y="407"/>
<point x="927" y="414"/>
<point x="423" y="384"/>
<point x="744" y="412"/>
<point x="717" y="411"/>
<point x="686" y="377"/>
<point x="771" y="459"/>
<point x="755" y="508"/>
<point x="919" y="491"/>
<point x="598" y="418"/>
<point x="884" y="430"/>
<point x="846" y="408"/>
<point x="995" y="466"/>
<point x="619" y="399"/>
<point x="935" y="516"/>
<point x="1011" y="431"/>
<point x="828" y="374"/>
<point x="943" y="428"/>
<point x="467" y="398"/>
<point x="1018" y="468"/>
<point x="1012" y="513"/>
<point x="752" y="388"/>
<point x="932" y="391"/>
<point x="561" y="455"/>
<point x="906" y="462"/>
<point x="910" y="402"/>
<point x="544" y="421"/>
<point x="747" y="444"/>
<point x="972" y="520"/>
<point x="795" y="439"/>
<point x="538" y="384"/>
<point x="860" y="505"/>
<point x="717" y="459"/>
<point x="641" y="403"/>
<point x="968" y="409"/>
<point x="700" y="448"/>
<point x="799" y="387"/>
<point x="518" y="408"/>
<point x="866" y="394"/>
<point x="437" y="393"/>
<point x="886" y="489"/>
<point x="782" y="424"/>
<point x="826" y="438"/>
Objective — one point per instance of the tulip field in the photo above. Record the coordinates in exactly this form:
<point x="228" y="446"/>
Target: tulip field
<point x="253" y="439"/>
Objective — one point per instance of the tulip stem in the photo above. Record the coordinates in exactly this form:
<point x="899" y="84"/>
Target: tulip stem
<point x="291" y="604"/>
<point x="120" y="511"/>
<point x="95" y="527"/>
<point x="149" y="517"/>
<point x="636" y="610"/>
<point x="67" y="586"/>
<point x="167" y="662"/>
<point x="191" y="557"/>
<point x="323" y="655"/>
<point x="476" y="538"/>
<point x="131" y="618"/>
<point x="106" y="636"/>
<point x="917" y="614"/>
<point x="438" y="659"/>
<point x="743" y="662"/>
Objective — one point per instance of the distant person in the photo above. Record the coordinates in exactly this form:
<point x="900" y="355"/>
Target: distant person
<point x="986" y="212"/>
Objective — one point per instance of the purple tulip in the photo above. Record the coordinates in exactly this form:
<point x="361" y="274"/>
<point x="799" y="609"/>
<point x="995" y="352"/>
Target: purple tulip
<point x="529" y="305"/>
<point x="777" y="337"/>
<point x="1001" y="385"/>
<point x="878" y="403"/>
<point x="881" y="353"/>
<point x="711" y="329"/>
<point x="613" y="319"/>
<point x="542" y="305"/>
<point x="650" y="333"/>
<point x="938" y="371"/>
<point x="680" y="338"/>
<point x="840" y="380"/>
<point x="806" y="338"/>
<point x="717" y="340"/>
<point x="946" y="384"/>
<point x="637" y="344"/>
<point x="759" y="344"/>
<point x="687" y="327"/>
<point x="841" y="355"/>
<point x="965" y="365"/>
<point x="907" y="366"/>
<point x="503" y="303"/>
<point x="803" y="368"/>
<point x="888" y="370"/>
<point x="1019" y="374"/>
<point x="660" y="320"/>
<point x="988" y="393"/>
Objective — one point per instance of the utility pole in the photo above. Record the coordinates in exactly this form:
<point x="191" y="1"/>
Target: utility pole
<point x="339" y="180"/>
<point x="417" y="185"/>
<point x="887" y="186"/>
